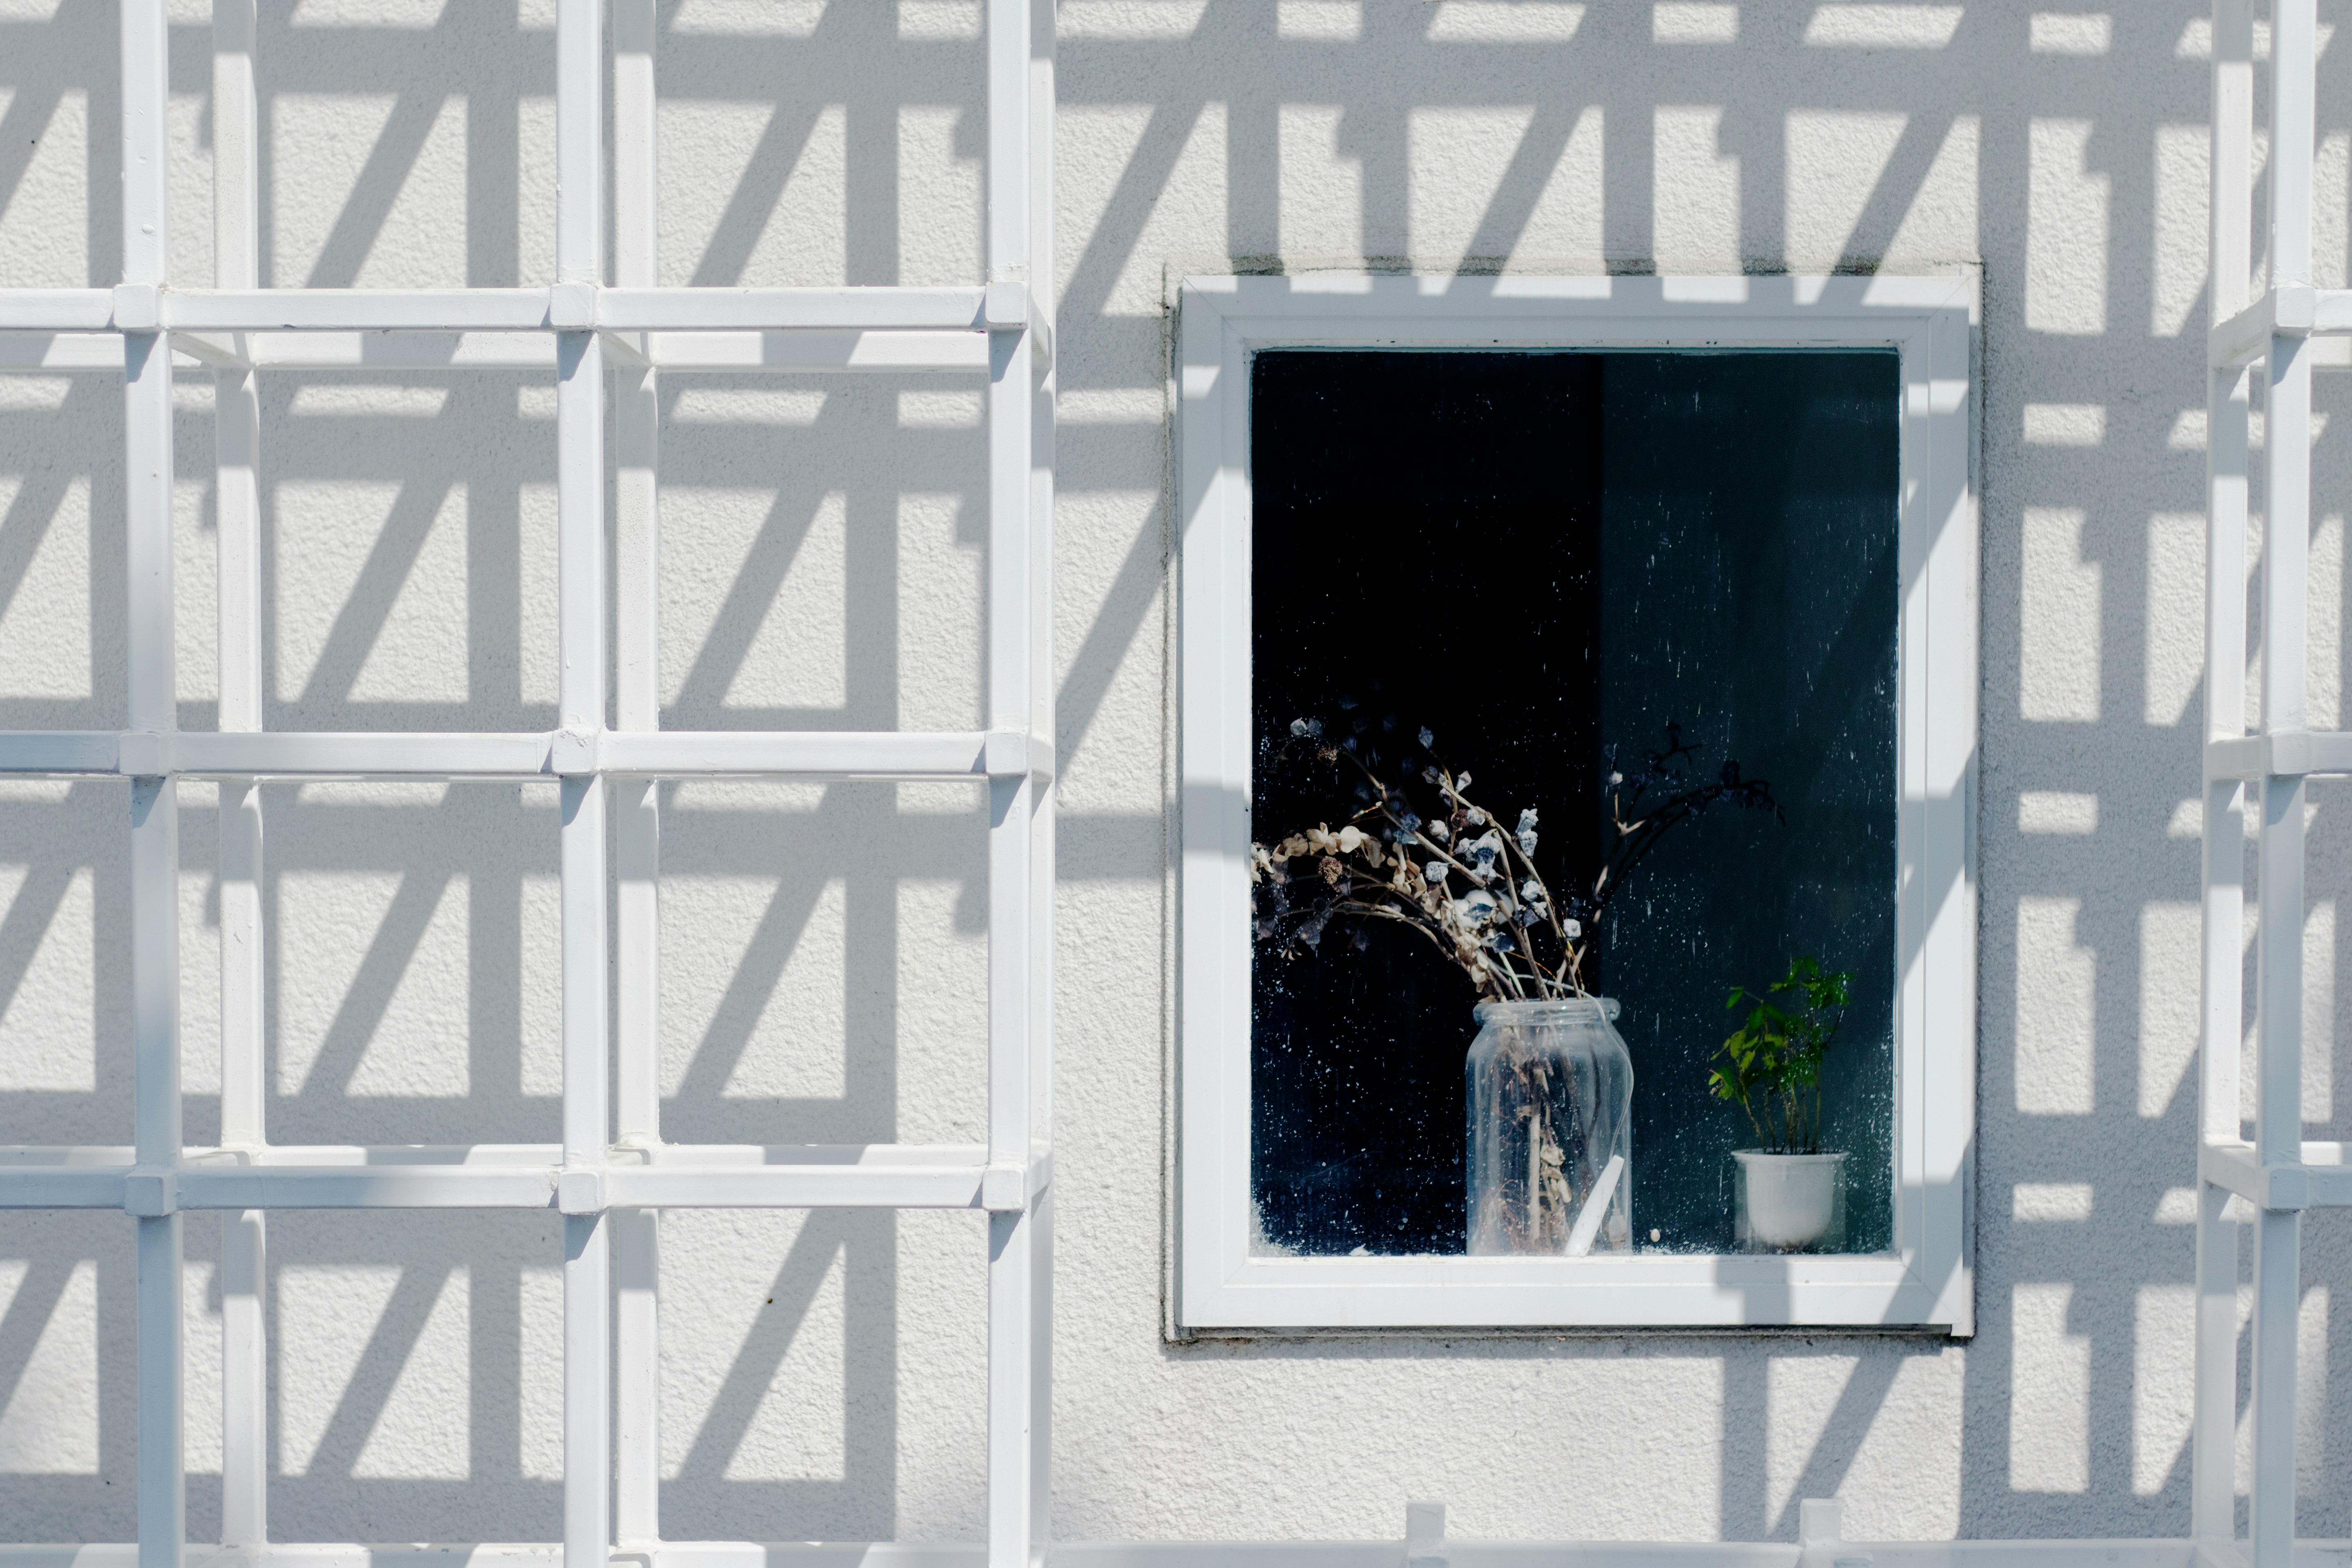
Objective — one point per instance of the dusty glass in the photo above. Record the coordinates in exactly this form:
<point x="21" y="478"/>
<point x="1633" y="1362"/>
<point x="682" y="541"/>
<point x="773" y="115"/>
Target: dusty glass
<point x="1543" y="558"/>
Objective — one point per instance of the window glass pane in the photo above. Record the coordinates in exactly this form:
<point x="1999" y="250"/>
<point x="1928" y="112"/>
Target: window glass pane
<point x="1538" y="556"/>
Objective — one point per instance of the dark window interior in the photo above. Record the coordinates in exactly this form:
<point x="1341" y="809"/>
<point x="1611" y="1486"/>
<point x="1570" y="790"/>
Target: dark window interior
<point x="1538" y="556"/>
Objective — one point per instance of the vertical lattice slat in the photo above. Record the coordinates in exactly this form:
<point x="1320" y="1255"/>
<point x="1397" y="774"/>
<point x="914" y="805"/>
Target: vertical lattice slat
<point x="155" y="799"/>
<point x="1016" y="696"/>
<point x="580" y="576"/>
<point x="2286" y="541"/>
<point x="236" y="445"/>
<point x="637" y="810"/>
<point x="1044" y="282"/>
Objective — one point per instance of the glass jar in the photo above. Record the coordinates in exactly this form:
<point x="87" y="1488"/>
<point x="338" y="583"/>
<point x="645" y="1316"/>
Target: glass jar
<point x="1549" y="1168"/>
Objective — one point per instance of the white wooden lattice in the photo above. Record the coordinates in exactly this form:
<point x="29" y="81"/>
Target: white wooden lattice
<point x="2277" y="1175"/>
<point x="611" y="1175"/>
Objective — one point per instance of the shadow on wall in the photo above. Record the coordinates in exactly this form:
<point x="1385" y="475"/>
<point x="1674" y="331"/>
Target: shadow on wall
<point x="408" y="567"/>
<point x="821" y="975"/>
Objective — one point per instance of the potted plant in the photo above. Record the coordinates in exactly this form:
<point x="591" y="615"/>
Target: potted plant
<point x="1550" y="1084"/>
<point x="1791" y="1192"/>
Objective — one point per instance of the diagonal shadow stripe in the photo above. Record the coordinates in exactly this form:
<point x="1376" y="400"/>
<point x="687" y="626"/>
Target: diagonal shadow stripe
<point x="31" y="513"/>
<point x="743" y="613"/>
<point x="1524" y="179"/>
<point x="38" y="898"/>
<point x="781" y="142"/>
<point x="754" y="982"/>
<point x="1898" y="186"/>
<point x="1107" y="252"/>
<point x="388" y="1349"/>
<point x="361" y="619"/>
<point x="1129" y="600"/>
<point x="29" y="1311"/>
<point x="369" y="207"/>
<point x="369" y="996"/>
<point x="822" y="1235"/>
<point x="1858" y="1404"/>
<point x="1132" y="201"/>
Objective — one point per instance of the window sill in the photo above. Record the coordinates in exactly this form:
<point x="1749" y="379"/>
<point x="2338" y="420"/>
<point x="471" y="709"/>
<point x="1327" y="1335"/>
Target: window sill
<point x="1663" y="1290"/>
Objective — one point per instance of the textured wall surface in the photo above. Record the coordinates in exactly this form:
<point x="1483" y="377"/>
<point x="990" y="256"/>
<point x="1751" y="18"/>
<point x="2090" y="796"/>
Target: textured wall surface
<point x="823" y="962"/>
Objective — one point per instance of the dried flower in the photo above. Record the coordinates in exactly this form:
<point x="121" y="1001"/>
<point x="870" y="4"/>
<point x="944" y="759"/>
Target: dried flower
<point x="1506" y="931"/>
<point x="1475" y="908"/>
<point x="1482" y="853"/>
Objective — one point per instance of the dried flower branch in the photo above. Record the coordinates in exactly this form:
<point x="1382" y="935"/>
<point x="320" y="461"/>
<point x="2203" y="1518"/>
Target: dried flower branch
<point x="1452" y="873"/>
<point x="1638" y="832"/>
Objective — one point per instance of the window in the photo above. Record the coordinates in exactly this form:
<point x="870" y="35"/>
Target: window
<point x="1545" y="517"/>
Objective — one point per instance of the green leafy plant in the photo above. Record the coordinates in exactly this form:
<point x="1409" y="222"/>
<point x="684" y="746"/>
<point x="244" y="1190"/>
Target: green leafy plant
<point x="1772" y="1064"/>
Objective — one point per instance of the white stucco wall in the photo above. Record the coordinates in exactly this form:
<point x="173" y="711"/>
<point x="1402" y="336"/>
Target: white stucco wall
<point x="823" y="967"/>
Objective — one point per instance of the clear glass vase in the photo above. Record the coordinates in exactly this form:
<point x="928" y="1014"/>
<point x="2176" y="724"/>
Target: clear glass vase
<point x="1549" y="1168"/>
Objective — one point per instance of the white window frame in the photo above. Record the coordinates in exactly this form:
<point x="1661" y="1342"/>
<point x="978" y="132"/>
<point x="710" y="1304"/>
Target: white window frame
<point x="1928" y="1279"/>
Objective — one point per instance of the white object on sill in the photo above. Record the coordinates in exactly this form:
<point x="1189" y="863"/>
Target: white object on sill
<point x="1425" y="1535"/>
<point x="1821" y="1529"/>
<point x="1820" y="1524"/>
<point x="1596" y="1207"/>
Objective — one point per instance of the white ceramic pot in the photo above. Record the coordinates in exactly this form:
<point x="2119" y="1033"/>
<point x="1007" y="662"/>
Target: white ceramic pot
<point x="1790" y="1203"/>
